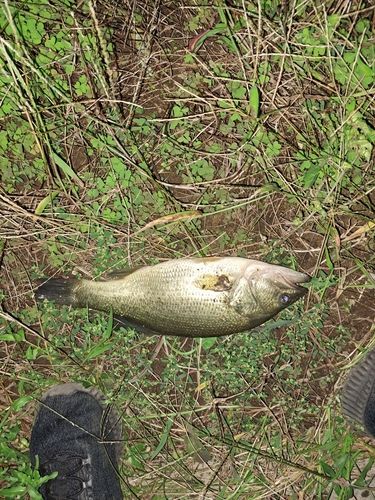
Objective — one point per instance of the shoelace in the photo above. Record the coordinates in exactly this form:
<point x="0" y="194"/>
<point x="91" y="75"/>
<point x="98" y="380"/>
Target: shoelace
<point x="73" y="481"/>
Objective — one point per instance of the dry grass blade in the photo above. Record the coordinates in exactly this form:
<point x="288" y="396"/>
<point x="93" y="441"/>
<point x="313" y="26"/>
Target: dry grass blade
<point x="136" y="132"/>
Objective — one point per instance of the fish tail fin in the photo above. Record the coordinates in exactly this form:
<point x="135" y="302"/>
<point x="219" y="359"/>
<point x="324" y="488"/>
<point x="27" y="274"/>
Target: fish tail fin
<point x="60" y="290"/>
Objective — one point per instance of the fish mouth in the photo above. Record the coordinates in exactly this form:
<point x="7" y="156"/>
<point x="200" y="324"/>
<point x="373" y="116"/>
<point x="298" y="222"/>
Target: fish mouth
<point x="295" y="282"/>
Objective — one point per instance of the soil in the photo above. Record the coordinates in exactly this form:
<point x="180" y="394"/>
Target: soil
<point x="271" y="223"/>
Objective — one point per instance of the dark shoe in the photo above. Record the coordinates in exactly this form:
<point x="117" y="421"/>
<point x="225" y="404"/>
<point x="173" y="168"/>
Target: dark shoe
<point x="74" y="435"/>
<point x="358" y="396"/>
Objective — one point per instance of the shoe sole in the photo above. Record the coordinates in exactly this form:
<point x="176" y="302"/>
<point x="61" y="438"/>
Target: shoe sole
<point x="357" y="391"/>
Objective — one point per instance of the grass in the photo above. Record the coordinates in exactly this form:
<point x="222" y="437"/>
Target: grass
<point x="135" y="132"/>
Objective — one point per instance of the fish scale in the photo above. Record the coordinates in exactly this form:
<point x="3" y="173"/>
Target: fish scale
<point x="201" y="297"/>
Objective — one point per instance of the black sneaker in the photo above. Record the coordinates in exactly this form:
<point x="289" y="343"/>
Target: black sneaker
<point x="74" y="435"/>
<point x="358" y="396"/>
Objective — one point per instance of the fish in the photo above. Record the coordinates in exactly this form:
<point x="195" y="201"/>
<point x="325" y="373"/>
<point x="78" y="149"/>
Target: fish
<point x="186" y="297"/>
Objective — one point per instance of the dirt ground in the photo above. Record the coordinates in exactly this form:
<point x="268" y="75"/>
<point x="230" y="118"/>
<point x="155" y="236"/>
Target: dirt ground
<point x="328" y="247"/>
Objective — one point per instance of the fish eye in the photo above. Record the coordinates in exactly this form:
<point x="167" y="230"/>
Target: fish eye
<point x="285" y="299"/>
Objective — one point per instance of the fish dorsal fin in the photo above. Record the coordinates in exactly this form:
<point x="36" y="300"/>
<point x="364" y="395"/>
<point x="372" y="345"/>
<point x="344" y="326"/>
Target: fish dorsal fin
<point x="122" y="273"/>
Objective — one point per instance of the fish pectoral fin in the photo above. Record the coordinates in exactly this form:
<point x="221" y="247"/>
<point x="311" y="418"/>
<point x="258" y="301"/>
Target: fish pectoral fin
<point x="126" y="323"/>
<point x="122" y="273"/>
<point x="213" y="282"/>
<point x="241" y="298"/>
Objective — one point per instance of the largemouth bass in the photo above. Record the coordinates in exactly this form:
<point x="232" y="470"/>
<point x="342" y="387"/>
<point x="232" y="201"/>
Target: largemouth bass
<point x="202" y="297"/>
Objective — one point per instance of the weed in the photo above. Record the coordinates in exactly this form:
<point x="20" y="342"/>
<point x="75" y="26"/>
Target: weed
<point x="134" y="135"/>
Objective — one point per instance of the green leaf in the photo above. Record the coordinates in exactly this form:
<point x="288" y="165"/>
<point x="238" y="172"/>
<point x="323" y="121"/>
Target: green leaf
<point x="13" y="491"/>
<point x="45" y="202"/>
<point x="19" y="403"/>
<point x="7" y="337"/>
<point x="196" y="446"/>
<point x="164" y="438"/>
<point x="98" y="350"/>
<point x="68" y="171"/>
<point x="363" y="69"/>
<point x="311" y="174"/>
<point x="333" y="20"/>
<point x="239" y="93"/>
<point x="32" y="353"/>
<point x="327" y="469"/>
<point x="109" y="325"/>
<point x="254" y="101"/>
<point x="34" y="494"/>
<point x="178" y="111"/>
<point x="208" y="342"/>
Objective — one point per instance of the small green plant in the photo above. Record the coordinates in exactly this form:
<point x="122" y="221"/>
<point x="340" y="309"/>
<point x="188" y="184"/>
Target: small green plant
<point x="132" y="136"/>
<point x="16" y="472"/>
